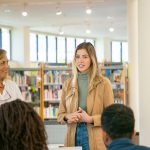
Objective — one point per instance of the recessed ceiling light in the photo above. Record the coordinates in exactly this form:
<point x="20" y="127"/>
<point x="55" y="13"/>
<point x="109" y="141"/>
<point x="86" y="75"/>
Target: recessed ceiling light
<point x="59" y="12"/>
<point x="109" y="17"/>
<point x="61" y="32"/>
<point x="88" y="31"/>
<point x="88" y="11"/>
<point x="24" y="13"/>
<point x="111" y="29"/>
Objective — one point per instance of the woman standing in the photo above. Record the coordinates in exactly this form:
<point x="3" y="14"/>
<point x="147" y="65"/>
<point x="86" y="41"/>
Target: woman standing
<point x="8" y="89"/>
<point x="83" y="99"/>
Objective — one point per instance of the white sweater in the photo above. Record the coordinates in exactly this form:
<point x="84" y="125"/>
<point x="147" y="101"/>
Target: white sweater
<point x="11" y="92"/>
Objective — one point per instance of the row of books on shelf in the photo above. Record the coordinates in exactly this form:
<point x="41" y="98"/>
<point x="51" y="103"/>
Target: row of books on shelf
<point x="55" y="76"/>
<point x="118" y="101"/>
<point x="30" y="93"/>
<point x="118" y="85"/>
<point x="114" y="75"/>
<point x="25" y="79"/>
<point x="52" y="92"/>
<point x="49" y="95"/>
<point x="50" y="112"/>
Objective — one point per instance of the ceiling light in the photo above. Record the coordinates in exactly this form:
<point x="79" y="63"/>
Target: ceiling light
<point x="88" y="11"/>
<point x="111" y="29"/>
<point x="88" y="31"/>
<point x="109" y="17"/>
<point x="61" y="32"/>
<point x="58" y="9"/>
<point x="24" y="13"/>
<point x="59" y="12"/>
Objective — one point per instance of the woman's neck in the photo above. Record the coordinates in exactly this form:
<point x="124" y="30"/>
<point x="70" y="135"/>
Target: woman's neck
<point x="1" y="87"/>
<point x="86" y="71"/>
<point x="1" y="83"/>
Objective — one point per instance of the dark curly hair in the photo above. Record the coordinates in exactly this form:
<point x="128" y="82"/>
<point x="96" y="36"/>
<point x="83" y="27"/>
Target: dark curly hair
<point x="21" y="128"/>
<point x="118" y="121"/>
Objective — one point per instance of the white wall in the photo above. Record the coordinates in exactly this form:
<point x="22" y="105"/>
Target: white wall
<point x="133" y="59"/>
<point x="144" y="70"/>
<point x="139" y="43"/>
<point x="20" y="46"/>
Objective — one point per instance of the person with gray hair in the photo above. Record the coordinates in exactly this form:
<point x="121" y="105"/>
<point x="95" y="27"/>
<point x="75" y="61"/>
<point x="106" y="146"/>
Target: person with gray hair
<point x="8" y="89"/>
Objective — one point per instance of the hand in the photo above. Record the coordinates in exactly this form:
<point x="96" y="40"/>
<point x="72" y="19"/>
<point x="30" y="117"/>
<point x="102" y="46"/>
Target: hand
<point x="84" y="116"/>
<point x="73" y="117"/>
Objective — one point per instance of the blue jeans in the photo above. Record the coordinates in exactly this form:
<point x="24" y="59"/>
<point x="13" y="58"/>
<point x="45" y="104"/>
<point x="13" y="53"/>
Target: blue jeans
<point x="81" y="136"/>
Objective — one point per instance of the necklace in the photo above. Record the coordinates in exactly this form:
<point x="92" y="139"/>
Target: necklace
<point x="1" y="85"/>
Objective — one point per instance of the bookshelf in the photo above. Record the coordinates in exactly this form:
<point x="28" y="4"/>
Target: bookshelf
<point x="42" y="86"/>
<point x="118" y="76"/>
<point x="28" y="80"/>
<point x="53" y="80"/>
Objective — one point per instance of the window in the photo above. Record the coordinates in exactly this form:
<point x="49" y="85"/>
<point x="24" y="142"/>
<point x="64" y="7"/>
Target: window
<point x="124" y="51"/>
<point x="116" y="52"/>
<point x="51" y="49"/>
<point x="5" y="41"/>
<point x="79" y="40"/>
<point x="70" y="49"/>
<point x="119" y="51"/>
<point x="33" y="47"/>
<point x="56" y="50"/>
<point x="61" y="54"/>
<point x="91" y="41"/>
<point x="41" y="48"/>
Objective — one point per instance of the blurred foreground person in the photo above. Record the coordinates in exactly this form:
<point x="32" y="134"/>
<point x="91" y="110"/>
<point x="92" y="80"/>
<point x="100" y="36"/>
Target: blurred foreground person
<point x="21" y="128"/>
<point x="118" y="128"/>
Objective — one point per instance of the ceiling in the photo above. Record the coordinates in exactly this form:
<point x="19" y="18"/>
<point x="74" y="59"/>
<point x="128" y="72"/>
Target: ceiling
<point x="74" y="21"/>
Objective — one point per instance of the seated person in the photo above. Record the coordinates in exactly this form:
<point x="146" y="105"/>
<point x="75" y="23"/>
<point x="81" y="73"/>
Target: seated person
<point x="118" y="128"/>
<point x="8" y="89"/>
<point x="21" y="128"/>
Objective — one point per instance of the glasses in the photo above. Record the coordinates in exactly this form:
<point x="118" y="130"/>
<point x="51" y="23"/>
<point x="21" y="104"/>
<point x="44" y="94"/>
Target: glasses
<point x="5" y="97"/>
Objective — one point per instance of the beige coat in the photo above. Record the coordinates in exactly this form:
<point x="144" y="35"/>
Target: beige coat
<point x="100" y="95"/>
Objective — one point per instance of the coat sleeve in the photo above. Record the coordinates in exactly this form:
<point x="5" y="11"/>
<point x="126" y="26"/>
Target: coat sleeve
<point x="108" y="93"/>
<point x="108" y="99"/>
<point x="62" y="105"/>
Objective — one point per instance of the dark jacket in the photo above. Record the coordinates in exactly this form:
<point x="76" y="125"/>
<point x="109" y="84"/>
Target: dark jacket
<point x="125" y="144"/>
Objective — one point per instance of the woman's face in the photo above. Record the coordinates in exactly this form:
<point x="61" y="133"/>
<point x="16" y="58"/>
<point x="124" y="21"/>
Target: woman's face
<point x="3" y="68"/>
<point x="82" y="60"/>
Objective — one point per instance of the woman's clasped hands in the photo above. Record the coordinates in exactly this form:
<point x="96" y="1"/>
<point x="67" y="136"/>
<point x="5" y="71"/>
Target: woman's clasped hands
<point x="78" y="116"/>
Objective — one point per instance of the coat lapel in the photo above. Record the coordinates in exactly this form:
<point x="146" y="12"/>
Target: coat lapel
<point x="74" y="88"/>
<point x="92" y="93"/>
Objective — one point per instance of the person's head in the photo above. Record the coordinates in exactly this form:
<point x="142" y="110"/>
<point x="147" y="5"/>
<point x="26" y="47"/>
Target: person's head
<point x="85" y="60"/>
<point x="21" y="128"/>
<point x="3" y="65"/>
<point x="117" y="121"/>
